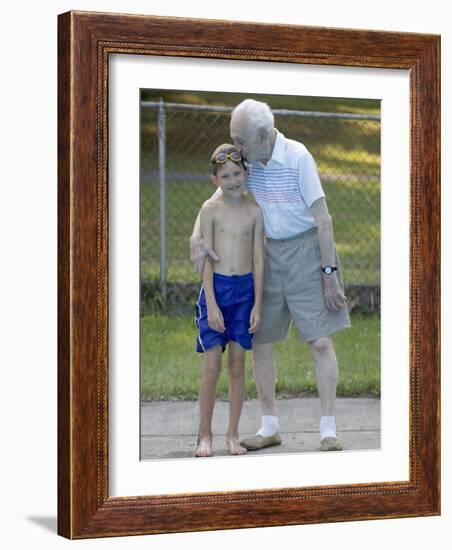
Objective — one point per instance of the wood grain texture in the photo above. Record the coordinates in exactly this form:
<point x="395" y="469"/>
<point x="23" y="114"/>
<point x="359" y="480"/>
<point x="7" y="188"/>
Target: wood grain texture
<point x="85" y="42"/>
<point x="64" y="294"/>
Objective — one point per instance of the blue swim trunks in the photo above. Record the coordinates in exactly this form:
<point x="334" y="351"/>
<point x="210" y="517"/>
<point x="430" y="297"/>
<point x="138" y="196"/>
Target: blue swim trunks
<point x="234" y="295"/>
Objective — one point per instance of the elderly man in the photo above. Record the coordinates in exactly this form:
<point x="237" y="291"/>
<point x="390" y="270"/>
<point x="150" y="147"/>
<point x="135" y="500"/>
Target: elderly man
<point x="302" y="282"/>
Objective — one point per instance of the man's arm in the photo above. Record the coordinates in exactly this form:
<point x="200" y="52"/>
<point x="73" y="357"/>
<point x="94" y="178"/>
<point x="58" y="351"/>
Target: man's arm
<point x="258" y="271"/>
<point x="332" y="291"/>
<point x="214" y="315"/>
<point x="198" y="247"/>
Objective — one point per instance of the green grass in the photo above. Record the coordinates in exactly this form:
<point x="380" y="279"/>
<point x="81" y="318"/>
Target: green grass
<point x="171" y="369"/>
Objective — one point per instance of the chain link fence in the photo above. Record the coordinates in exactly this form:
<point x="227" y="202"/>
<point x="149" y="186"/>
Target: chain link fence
<point x="176" y="144"/>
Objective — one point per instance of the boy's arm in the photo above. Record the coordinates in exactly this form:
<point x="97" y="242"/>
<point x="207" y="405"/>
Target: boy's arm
<point x="258" y="271"/>
<point x="214" y="315"/>
<point x="198" y="247"/>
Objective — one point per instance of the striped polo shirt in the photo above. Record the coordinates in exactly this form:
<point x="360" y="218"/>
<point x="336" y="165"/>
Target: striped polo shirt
<point x="285" y="188"/>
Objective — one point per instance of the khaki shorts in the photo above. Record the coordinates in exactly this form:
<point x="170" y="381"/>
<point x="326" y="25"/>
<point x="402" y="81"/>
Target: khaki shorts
<point x="293" y="291"/>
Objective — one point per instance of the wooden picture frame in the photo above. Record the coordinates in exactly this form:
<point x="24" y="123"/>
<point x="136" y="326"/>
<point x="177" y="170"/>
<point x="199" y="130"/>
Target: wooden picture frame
<point x="85" y="42"/>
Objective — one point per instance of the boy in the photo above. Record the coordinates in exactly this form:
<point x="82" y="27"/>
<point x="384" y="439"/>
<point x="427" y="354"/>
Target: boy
<point x="228" y="310"/>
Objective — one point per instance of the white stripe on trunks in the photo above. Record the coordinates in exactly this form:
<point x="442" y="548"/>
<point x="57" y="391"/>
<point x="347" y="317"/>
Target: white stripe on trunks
<point x="197" y="320"/>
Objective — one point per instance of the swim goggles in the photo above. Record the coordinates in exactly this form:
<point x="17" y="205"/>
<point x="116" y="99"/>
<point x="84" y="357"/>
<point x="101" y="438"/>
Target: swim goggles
<point x="221" y="158"/>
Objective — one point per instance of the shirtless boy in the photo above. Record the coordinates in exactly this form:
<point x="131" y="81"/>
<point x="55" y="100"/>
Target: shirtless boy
<point x="228" y="311"/>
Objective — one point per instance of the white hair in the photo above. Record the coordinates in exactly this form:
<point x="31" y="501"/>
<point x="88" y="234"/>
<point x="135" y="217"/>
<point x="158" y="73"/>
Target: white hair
<point x="257" y="112"/>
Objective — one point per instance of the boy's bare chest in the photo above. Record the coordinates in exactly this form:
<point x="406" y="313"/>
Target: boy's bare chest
<point x="233" y="227"/>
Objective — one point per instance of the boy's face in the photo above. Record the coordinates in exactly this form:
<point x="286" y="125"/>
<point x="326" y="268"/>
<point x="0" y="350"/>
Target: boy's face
<point x="231" y="177"/>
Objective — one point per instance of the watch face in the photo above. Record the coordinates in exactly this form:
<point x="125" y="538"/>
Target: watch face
<point x="328" y="270"/>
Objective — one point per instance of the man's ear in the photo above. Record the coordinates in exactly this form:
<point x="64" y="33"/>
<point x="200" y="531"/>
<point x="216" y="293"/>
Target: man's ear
<point x="214" y="179"/>
<point x="262" y="135"/>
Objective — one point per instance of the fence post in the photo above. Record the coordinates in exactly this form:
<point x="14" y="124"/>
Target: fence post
<point x="162" y="175"/>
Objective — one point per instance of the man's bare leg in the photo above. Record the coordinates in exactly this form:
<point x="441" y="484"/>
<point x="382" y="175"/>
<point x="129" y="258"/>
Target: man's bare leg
<point x="265" y="376"/>
<point x="207" y="393"/>
<point x="236" y="369"/>
<point x="326" y="369"/>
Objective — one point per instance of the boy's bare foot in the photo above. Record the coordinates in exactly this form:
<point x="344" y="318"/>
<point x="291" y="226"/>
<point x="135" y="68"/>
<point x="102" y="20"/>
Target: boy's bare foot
<point x="204" y="447"/>
<point x="234" y="446"/>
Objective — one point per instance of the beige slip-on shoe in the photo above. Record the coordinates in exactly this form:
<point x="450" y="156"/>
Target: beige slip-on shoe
<point x="257" y="441"/>
<point x="330" y="444"/>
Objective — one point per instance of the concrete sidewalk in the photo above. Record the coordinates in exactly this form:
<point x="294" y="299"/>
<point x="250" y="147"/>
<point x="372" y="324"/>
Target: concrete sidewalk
<point x="169" y="428"/>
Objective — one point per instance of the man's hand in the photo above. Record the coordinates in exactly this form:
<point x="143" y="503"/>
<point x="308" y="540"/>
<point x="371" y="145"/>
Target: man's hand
<point x="215" y="318"/>
<point x="332" y="292"/>
<point x="199" y="249"/>
<point x="255" y="320"/>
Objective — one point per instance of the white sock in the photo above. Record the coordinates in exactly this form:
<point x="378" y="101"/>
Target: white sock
<point x="327" y="427"/>
<point x="269" y="426"/>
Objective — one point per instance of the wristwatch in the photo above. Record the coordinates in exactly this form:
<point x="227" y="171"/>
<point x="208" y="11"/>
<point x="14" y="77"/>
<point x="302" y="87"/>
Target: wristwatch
<point x="328" y="269"/>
